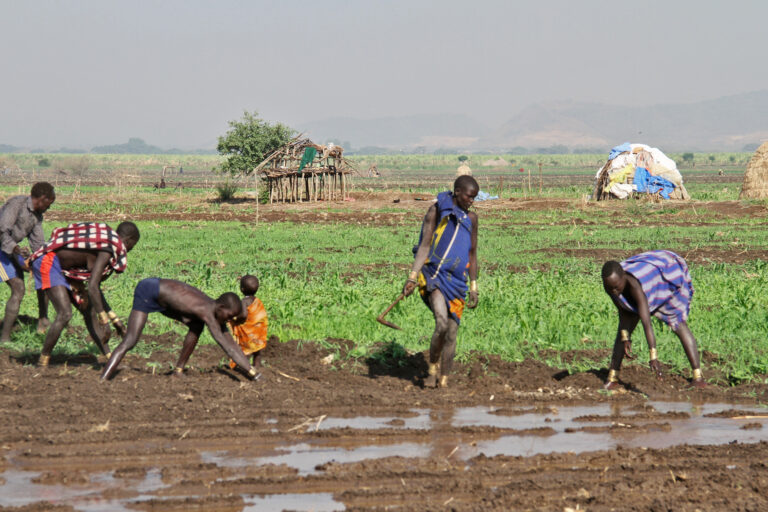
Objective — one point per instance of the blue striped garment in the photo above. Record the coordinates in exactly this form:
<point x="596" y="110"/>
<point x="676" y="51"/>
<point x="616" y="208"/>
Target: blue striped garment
<point x="666" y="283"/>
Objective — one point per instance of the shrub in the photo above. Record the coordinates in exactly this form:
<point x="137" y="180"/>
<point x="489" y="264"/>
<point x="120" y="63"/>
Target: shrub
<point x="226" y="190"/>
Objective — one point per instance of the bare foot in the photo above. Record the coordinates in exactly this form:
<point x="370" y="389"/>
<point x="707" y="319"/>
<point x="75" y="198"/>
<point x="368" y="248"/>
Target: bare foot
<point x="699" y="383"/>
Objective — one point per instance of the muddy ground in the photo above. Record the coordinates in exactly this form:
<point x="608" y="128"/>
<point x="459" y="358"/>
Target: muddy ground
<point x="66" y="429"/>
<point x="350" y="434"/>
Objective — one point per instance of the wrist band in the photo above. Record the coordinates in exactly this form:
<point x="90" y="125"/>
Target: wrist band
<point x="697" y="374"/>
<point x="613" y="376"/>
<point x="178" y="369"/>
<point x="252" y="372"/>
<point x="112" y="315"/>
<point x="44" y="360"/>
<point x="108" y="355"/>
<point x="654" y="354"/>
<point x="103" y="318"/>
<point x="413" y="276"/>
<point x="432" y="370"/>
<point x="473" y="286"/>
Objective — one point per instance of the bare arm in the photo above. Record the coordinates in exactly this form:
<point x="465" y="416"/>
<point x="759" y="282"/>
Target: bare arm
<point x="222" y="336"/>
<point x="94" y="284"/>
<point x="428" y="227"/>
<point x="474" y="296"/>
<point x="473" y="249"/>
<point x="641" y="303"/>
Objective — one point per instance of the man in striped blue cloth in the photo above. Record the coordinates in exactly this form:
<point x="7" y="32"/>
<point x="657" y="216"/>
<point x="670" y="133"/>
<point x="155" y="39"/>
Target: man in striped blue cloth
<point x="651" y="283"/>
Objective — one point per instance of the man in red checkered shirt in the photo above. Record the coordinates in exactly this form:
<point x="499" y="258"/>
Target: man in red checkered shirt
<point x="76" y="254"/>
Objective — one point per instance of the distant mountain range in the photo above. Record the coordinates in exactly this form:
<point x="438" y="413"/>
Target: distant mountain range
<point x="724" y="124"/>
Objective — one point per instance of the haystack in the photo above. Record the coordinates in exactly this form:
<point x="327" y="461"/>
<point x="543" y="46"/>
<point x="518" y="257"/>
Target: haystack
<point x="304" y="171"/>
<point x="464" y="170"/>
<point x="755" y="185"/>
<point x="634" y="169"/>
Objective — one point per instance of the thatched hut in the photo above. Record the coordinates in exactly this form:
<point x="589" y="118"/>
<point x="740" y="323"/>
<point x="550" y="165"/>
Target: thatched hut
<point x="755" y="184"/>
<point x="304" y="171"/>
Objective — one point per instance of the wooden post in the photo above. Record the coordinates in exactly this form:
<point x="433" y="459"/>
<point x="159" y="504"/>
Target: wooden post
<point x="541" y="179"/>
<point x="501" y="186"/>
<point x="530" y="190"/>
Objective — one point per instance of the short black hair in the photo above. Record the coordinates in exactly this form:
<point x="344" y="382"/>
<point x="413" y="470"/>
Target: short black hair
<point x="229" y="300"/>
<point x="128" y="230"/>
<point x="249" y="284"/>
<point x="43" y="189"/>
<point x="465" y="182"/>
<point x="612" y="267"/>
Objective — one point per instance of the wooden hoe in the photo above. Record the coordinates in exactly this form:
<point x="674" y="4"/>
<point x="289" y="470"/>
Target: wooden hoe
<point x="380" y="318"/>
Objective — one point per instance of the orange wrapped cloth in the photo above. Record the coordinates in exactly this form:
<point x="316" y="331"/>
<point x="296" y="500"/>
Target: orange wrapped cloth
<point x="251" y="335"/>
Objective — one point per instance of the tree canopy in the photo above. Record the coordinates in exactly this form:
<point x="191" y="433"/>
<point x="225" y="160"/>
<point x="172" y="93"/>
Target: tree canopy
<point x="249" y="141"/>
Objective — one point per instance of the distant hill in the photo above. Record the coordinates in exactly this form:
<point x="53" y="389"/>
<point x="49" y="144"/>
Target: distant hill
<point x="724" y="124"/>
<point x="438" y="130"/>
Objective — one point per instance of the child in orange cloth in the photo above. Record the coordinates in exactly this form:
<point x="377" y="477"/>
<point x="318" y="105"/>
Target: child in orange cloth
<point x="250" y="332"/>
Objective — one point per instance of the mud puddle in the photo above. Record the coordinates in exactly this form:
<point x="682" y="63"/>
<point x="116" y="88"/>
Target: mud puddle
<point x="458" y="435"/>
<point x="525" y="431"/>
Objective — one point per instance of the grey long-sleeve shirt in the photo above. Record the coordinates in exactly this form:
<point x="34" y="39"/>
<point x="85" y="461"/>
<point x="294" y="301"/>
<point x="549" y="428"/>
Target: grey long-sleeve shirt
<point x="18" y="220"/>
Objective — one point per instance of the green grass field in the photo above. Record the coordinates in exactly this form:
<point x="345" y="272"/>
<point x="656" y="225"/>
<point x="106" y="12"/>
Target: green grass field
<point x="539" y="279"/>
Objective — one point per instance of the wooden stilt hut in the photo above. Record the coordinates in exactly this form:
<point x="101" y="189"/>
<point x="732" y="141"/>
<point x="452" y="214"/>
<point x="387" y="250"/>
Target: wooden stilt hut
<point x="304" y="171"/>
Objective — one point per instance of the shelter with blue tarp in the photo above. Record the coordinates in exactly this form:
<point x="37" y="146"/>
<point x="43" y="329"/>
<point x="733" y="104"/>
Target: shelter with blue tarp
<point x="637" y="169"/>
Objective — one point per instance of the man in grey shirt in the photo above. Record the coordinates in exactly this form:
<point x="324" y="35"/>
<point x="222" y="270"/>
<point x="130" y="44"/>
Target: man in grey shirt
<point x="22" y="217"/>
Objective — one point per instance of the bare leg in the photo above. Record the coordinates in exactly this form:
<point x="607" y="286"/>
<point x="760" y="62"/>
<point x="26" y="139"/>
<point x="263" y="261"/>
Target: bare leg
<point x="12" y="307"/>
<point x="42" y="308"/>
<point x="628" y="322"/>
<point x="60" y="298"/>
<point x="136" y="322"/>
<point x="440" y="312"/>
<point x="449" y="351"/>
<point x="691" y="350"/>
<point x="190" y="342"/>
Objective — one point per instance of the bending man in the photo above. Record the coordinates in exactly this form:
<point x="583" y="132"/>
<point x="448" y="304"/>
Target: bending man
<point x="87" y="251"/>
<point x="190" y="306"/>
<point x="652" y="283"/>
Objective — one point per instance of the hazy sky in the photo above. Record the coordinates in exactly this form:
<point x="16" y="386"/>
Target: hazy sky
<point x="85" y="73"/>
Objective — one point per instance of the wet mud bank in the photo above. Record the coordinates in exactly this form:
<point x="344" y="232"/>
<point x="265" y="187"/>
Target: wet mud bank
<point x="364" y="435"/>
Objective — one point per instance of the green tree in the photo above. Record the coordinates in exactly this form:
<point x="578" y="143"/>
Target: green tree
<point x="463" y="158"/>
<point x="250" y="140"/>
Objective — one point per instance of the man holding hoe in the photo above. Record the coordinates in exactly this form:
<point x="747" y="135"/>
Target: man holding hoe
<point x="447" y="250"/>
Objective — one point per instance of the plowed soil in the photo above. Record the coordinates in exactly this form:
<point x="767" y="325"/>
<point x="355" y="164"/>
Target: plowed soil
<point x="63" y="425"/>
<point x="213" y="440"/>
